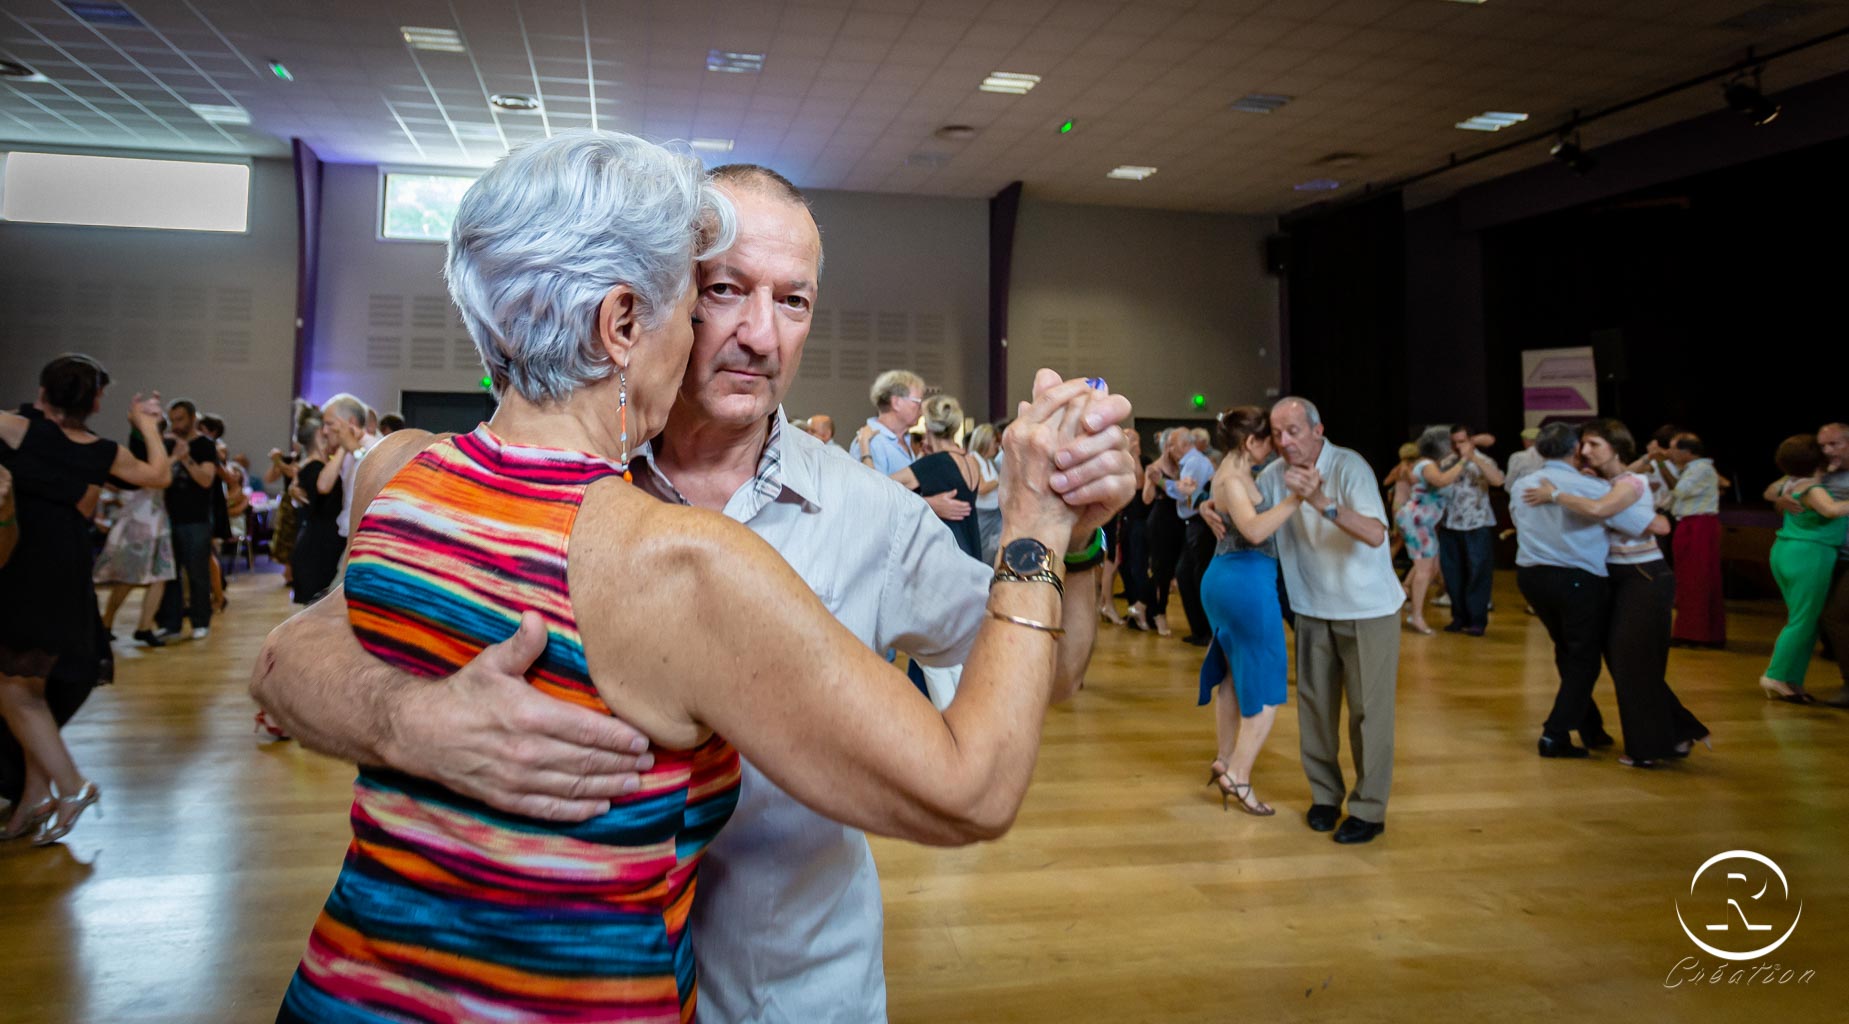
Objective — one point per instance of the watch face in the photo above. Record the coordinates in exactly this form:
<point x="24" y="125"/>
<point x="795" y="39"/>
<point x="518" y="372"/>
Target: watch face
<point x="1330" y="513"/>
<point x="1025" y="556"/>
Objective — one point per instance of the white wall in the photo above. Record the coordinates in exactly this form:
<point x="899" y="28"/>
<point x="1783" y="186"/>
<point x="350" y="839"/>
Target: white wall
<point x="1163" y="305"/>
<point x="905" y="285"/>
<point x="383" y="320"/>
<point x="196" y="315"/>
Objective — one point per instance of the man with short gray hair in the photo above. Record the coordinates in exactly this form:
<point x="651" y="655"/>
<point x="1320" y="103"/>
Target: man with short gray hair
<point x="898" y="396"/>
<point x="348" y="416"/>
<point x="787" y="918"/>
<point x="1336" y="566"/>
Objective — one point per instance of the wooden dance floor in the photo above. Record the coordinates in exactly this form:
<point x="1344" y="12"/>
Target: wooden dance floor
<point x="1506" y="887"/>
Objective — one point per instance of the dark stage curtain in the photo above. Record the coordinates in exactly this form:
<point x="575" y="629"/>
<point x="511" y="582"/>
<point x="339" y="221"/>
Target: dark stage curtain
<point x="1345" y="307"/>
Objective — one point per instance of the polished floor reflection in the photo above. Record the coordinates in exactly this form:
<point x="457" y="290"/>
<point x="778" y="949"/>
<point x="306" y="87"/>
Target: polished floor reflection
<point x="1505" y="887"/>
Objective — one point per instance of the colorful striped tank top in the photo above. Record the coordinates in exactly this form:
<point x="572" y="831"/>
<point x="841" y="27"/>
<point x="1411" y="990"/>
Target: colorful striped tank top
<point x="446" y="910"/>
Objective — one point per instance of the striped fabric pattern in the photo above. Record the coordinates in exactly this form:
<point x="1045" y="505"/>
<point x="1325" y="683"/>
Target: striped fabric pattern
<point x="445" y="909"/>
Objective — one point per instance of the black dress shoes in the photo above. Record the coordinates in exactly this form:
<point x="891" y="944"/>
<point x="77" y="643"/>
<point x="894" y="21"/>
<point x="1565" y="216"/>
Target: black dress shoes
<point x="1354" y="830"/>
<point x="1560" y="746"/>
<point x="1322" y="817"/>
<point x="1197" y="641"/>
<point x="1596" y="740"/>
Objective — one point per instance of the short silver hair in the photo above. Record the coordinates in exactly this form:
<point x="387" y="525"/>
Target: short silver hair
<point x="893" y="384"/>
<point x="542" y="237"/>
<point x="347" y="407"/>
<point x="1309" y="408"/>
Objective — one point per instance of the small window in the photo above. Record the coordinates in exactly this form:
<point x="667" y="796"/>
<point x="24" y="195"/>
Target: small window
<point x="121" y="192"/>
<point x="421" y="207"/>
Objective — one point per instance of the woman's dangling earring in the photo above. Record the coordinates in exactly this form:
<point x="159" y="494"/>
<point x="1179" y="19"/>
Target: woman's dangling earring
<point x="622" y="408"/>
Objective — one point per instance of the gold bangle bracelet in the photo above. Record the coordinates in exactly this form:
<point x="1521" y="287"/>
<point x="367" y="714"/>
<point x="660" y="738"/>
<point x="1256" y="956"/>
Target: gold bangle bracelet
<point x="1054" y="631"/>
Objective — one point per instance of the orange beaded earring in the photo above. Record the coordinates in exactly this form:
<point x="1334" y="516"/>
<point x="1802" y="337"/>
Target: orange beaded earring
<point x="622" y="408"/>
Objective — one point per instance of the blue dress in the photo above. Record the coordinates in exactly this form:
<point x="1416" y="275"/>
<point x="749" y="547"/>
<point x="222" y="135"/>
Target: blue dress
<point x="1240" y="594"/>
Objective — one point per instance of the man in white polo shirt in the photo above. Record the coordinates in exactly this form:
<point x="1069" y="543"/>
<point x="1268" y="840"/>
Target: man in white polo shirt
<point x="1339" y="573"/>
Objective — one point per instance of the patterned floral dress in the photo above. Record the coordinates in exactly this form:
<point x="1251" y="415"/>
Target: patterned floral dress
<point x="1418" y="519"/>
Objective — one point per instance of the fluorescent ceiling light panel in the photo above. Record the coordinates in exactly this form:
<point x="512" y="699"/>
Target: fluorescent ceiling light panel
<point x="733" y="62"/>
<point x="1012" y="82"/>
<point x="712" y="145"/>
<point x="221" y="114"/>
<point x="114" y="15"/>
<point x="1260" y="102"/>
<point x="1131" y="172"/>
<point x="440" y="40"/>
<point x="1492" y="121"/>
<point x="108" y="191"/>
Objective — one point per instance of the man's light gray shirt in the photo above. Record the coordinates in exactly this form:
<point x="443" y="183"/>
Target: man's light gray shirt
<point x="1550" y="535"/>
<point x="787" y="920"/>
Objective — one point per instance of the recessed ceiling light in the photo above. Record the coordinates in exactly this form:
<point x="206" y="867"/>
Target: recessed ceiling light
<point x="103" y="14"/>
<point x="956" y="132"/>
<point x="733" y="62"/>
<point x="17" y="72"/>
<point x="440" y="40"/>
<point x="1260" y="102"/>
<point x="712" y="145"/>
<point x="1012" y="82"/>
<point x="1492" y="121"/>
<point x="218" y="114"/>
<point x="514" y="102"/>
<point x="1317" y="185"/>
<point x="1131" y="172"/>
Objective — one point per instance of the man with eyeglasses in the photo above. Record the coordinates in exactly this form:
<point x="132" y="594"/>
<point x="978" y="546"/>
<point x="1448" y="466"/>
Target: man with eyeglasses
<point x="899" y="397"/>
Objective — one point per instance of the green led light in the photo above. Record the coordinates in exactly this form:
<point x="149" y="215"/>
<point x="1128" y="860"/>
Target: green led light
<point x="1066" y="127"/>
<point x="487" y="383"/>
<point x="1200" y="401"/>
<point x="281" y="72"/>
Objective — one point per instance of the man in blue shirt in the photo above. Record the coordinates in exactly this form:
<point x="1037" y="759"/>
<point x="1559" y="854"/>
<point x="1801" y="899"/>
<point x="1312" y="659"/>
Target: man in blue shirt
<point x="884" y="444"/>
<point x="1560" y="567"/>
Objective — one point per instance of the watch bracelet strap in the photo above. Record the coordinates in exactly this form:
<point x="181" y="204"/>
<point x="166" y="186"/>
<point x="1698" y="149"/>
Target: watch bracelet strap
<point x="1003" y="574"/>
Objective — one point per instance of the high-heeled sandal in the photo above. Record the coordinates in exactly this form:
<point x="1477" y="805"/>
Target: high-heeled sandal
<point x="1109" y="614"/>
<point x="1161" y="626"/>
<point x="74" y="806"/>
<point x="1419" y="627"/>
<point x="1242" y="792"/>
<point x="1139" y="619"/>
<point x="1787" y="694"/>
<point x="1684" y="748"/>
<point x="35" y="819"/>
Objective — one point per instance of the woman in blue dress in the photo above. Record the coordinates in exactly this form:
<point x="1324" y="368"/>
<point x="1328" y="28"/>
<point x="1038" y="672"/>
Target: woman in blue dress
<point x="1245" y="663"/>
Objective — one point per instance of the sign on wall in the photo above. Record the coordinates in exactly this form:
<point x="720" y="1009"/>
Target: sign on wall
<point x="1558" y="383"/>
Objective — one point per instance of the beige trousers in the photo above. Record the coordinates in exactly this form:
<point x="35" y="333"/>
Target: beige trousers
<point x="1359" y="659"/>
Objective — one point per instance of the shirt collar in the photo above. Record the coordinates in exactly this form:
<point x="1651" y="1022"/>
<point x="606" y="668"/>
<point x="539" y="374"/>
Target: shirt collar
<point x="785" y="465"/>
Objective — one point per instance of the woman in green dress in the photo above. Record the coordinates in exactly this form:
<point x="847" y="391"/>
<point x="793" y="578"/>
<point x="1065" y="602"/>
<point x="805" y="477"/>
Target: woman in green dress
<point x="1803" y="557"/>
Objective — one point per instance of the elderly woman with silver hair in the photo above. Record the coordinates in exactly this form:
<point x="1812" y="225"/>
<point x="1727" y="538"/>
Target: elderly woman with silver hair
<point x="572" y="261"/>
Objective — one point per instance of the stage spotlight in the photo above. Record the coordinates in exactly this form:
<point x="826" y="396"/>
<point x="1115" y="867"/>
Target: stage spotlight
<point x="1568" y="152"/>
<point x="1744" y="97"/>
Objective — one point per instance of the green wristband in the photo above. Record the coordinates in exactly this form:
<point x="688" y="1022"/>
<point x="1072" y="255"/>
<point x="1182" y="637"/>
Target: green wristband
<point x="1090" y="556"/>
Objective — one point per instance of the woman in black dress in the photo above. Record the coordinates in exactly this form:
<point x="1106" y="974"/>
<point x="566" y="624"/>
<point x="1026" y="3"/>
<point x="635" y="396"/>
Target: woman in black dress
<point x="318" y="548"/>
<point x="47" y="601"/>
<point x="1167" y="533"/>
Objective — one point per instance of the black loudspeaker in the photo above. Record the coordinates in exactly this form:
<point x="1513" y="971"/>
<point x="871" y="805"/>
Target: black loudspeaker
<point x="1608" y="355"/>
<point x="1277" y="255"/>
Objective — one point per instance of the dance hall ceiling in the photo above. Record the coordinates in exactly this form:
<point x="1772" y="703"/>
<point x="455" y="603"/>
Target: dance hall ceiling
<point x="855" y="94"/>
